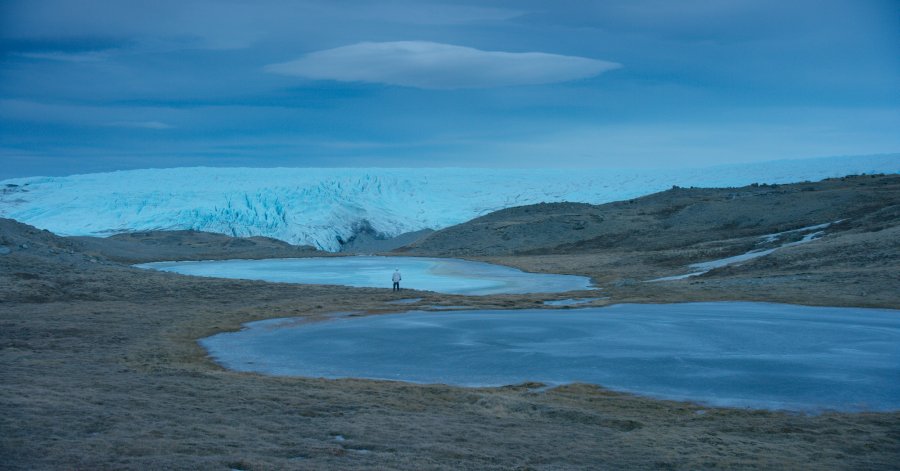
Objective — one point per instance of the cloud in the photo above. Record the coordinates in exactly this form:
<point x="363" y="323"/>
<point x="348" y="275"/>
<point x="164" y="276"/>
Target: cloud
<point x="18" y="110"/>
<point x="771" y="133"/>
<point x="141" y="124"/>
<point x="429" y="65"/>
<point x="230" y="24"/>
<point x="715" y="21"/>
<point x="90" y="56"/>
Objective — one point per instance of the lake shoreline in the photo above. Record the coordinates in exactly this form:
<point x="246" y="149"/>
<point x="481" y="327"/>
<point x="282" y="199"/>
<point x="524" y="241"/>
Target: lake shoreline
<point x="444" y="275"/>
<point x="103" y="370"/>
<point x="497" y="348"/>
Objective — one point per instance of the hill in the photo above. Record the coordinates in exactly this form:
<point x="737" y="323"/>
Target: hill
<point x="677" y="218"/>
<point x="141" y="247"/>
<point x="850" y="228"/>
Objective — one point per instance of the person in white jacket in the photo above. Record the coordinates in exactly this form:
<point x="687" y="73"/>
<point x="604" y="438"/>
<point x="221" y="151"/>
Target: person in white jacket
<point x="396" y="278"/>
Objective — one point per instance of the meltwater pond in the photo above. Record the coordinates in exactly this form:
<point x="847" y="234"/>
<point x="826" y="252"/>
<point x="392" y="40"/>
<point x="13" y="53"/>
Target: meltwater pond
<point x="444" y="275"/>
<point x="758" y="355"/>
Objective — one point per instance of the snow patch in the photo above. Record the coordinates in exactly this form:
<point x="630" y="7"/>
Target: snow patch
<point x="571" y="301"/>
<point x="705" y="267"/>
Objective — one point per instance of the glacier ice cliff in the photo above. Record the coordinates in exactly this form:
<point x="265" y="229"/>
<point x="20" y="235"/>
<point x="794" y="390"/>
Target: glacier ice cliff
<point x="325" y="206"/>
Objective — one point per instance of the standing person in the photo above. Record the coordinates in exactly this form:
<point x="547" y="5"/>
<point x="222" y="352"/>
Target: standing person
<point x="396" y="278"/>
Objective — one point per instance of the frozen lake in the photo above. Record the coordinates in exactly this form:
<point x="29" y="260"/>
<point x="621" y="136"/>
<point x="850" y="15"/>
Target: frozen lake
<point x="758" y="355"/>
<point x="444" y="275"/>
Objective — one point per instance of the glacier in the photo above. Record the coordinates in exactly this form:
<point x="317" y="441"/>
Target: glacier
<point x="325" y="207"/>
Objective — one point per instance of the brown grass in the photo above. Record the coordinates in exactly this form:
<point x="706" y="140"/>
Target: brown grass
<point x="111" y="377"/>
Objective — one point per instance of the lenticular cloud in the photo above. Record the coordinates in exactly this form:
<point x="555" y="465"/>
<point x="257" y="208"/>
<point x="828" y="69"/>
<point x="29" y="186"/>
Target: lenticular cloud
<point x="431" y="65"/>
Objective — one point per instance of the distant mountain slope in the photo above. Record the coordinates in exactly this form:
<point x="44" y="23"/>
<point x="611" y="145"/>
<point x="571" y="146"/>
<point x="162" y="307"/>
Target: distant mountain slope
<point x="673" y="219"/>
<point x="327" y="208"/>
<point x="140" y="247"/>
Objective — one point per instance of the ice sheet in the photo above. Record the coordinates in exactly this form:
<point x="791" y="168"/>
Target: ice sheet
<point x="756" y="355"/>
<point x="325" y="207"/>
<point x="444" y="275"/>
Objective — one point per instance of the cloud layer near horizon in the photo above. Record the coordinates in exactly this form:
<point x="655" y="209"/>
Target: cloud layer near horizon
<point x="430" y="65"/>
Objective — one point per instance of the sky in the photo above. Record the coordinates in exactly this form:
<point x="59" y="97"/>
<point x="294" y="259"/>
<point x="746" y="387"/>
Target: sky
<point x="102" y="85"/>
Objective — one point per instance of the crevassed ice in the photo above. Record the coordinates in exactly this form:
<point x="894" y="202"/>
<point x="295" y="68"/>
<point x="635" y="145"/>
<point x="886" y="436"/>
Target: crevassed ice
<point x="322" y="207"/>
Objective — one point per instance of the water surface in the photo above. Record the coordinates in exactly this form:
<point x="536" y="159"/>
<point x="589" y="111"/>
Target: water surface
<point x="758" y="355"/>
<point x="444" y="275"/>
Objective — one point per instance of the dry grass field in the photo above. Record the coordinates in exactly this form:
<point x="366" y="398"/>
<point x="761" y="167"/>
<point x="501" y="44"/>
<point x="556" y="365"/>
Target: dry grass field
<point x="100" y="369"/>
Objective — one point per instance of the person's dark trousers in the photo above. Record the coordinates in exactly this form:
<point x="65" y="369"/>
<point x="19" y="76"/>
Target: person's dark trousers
<point x="396" y="286"/>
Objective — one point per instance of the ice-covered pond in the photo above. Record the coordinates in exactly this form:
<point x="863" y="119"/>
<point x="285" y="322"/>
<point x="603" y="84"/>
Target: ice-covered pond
<point x="444" y="275"/>
<point x="757" y="355"/>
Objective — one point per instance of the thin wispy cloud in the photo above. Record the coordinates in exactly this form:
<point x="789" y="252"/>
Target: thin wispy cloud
<point x="429" y="65"/>
<point x="141" y="124"/>
<point x="87" y="118"/>
<point x="91" y="56"/>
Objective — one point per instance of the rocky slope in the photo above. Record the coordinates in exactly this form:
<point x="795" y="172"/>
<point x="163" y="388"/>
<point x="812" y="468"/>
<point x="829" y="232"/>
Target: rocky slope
<point x="140" y="247"/>
<point x="675" y="219"/>
<point x="833" y="242"/>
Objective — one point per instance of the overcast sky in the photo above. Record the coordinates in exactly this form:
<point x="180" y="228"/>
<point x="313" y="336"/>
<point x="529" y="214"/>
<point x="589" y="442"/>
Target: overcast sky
<point x="97" y="85"/>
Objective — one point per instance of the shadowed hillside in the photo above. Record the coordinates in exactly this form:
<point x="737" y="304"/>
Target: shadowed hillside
<point x="140" y="247"/>
<point x="677" y="218"/>
<point x="832" y="242"/>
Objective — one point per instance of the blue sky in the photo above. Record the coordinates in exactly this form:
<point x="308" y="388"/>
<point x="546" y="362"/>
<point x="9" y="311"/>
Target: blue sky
<point x="99" y="85"/>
